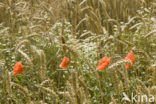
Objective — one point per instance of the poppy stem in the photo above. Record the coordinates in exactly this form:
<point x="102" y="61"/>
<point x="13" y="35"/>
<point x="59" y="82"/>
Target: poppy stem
<point x="69" y="71"/>
<point x="98" y="79"/>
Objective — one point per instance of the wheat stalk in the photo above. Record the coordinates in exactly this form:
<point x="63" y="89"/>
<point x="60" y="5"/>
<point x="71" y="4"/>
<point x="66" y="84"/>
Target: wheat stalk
<point x="25" y="56"/>
<point x="85" y="87"/>
<point x="72" y="50"/>
<point x="43" y="69"/>
<point x="144" y="53"/>
<point x="118" y="63"/>
<point x="24" y="90"/>
<point x="150" y="33"/>
<point x="48" y="90"/>
<point x="143" y="87"/>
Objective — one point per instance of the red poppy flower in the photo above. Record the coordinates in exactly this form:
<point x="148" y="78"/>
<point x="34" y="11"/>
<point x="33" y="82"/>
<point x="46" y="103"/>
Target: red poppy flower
<point x="18" y="69"/>
<point x="130" y="57"/>
<point x="64" y="64"/>
<point x="103" y="63"/>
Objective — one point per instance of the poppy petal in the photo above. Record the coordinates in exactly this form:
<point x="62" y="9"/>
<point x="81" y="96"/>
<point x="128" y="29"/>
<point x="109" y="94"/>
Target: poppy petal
<point x="18" y="69"/>
<point x="64" y="64"/>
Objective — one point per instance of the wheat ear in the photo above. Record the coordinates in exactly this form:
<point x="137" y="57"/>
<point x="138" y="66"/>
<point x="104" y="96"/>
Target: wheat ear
<point x="24" y="90"/>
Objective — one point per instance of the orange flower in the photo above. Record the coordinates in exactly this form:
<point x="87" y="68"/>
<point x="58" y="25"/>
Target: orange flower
<point x="130" y="57"/>
<point x="18" y="69"/>
<point x="64" y="64"/>
<point x="103" y="63"/>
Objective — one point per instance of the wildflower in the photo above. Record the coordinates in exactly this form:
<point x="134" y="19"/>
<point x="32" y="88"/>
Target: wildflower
<point x="64" y="64"/>
<point x="18" y="69"/>
<point x="103" y="63"/>
<point x="130" y="57"/>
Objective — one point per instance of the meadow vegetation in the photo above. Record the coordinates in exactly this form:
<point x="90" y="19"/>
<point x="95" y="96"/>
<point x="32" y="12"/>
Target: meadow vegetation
<point x="40" y="33"/>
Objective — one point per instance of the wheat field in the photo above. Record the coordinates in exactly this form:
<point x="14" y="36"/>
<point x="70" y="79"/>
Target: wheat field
<point x="77" y="51"/>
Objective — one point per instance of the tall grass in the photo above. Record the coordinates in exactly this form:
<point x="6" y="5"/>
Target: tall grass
<point x="39" y="33"/>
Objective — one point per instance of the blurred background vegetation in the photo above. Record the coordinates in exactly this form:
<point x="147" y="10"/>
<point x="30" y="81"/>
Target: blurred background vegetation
<point x="39" y="33"/>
